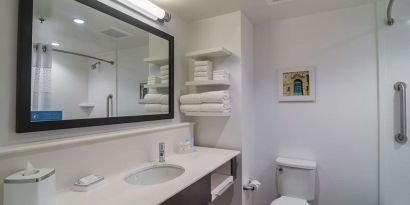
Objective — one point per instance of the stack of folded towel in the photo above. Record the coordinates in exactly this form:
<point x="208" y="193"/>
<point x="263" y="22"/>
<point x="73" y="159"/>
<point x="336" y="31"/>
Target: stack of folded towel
<point x="202" y="70"/>
<point x="153" y="80"/>
<point x="220" y="75"/>
<point x="164" y="74"/>
<point x="156" y="103"/>
<point x="216" y="101"/>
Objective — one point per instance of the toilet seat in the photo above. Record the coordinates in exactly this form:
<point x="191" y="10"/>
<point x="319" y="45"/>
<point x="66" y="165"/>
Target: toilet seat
<point x="285" y="200"/>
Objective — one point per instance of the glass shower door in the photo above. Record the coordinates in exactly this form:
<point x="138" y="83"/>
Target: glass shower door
<point x="394" y="67"/>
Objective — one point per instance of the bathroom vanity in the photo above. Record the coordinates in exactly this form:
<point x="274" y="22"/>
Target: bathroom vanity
<point x="192" y="187"/>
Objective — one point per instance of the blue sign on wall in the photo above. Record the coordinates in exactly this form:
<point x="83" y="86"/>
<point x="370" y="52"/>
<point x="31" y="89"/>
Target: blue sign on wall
<point x="41" y="116"/>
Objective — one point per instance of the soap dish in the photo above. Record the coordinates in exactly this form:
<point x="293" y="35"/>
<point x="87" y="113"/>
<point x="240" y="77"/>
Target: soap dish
<point x="88" y="183"/>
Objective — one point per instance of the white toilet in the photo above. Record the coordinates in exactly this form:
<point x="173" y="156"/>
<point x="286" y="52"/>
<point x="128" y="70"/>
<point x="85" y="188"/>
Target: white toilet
<point x="296" y="181"/>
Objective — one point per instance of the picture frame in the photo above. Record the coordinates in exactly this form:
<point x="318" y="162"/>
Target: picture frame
<point x="297" y="84"/>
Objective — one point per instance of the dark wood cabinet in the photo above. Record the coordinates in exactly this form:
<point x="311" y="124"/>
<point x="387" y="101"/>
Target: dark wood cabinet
<point x="199" y="193"/>
<point x="196" y="194"/>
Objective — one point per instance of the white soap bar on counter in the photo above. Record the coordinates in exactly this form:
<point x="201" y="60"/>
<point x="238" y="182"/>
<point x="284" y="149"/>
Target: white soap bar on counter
<point x="88" y="183"/>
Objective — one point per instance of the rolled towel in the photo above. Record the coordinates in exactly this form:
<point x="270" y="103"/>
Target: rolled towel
<point x="191" y="108"/>
<point x="201" y="78"/>
<point x="153" y="98"/>
<point x="164" y="67"/>
<point x="165" y="99"/>
<point x="153" y="107"/>
<point x="190" y="99"/>
<point x="215" y="97"/>
<point x="164" y="72"/>
<point x="164" y="108"/>
<point x="203" y="69"/>
<point x="212" y="107"/>
<point x="201" y="74"/>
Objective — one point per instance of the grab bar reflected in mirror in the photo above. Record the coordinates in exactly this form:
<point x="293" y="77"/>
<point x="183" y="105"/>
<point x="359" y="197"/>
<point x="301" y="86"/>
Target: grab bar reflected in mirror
<point x="110" y="106"/>
<point x="401" y="137"/>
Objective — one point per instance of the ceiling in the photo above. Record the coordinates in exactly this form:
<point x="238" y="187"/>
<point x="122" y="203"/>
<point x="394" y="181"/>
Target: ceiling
<point x="87" y="38"/>
<point x="256" y="10"/>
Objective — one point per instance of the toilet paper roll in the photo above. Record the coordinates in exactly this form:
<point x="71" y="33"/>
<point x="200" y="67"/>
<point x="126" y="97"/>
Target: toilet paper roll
<point x="255" y="184"/>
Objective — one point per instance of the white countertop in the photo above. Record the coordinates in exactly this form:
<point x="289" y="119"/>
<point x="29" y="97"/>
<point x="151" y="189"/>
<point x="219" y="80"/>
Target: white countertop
<point x="116" y="191"/>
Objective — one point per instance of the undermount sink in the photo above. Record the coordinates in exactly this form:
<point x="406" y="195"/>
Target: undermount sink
<point x="155" y="174"/>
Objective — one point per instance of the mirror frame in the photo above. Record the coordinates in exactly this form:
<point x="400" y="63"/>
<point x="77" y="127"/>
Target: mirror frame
<point x="24" y="49"/>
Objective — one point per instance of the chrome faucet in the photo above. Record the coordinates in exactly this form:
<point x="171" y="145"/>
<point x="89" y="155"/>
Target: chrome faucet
<point x="161" y="152"/>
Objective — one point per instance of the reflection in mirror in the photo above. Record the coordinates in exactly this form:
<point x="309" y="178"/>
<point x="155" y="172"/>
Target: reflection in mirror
<point x="87" y="64"/>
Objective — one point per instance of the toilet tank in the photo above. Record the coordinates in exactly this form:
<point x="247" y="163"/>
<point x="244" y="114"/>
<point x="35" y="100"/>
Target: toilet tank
<point x="296" y="178"/>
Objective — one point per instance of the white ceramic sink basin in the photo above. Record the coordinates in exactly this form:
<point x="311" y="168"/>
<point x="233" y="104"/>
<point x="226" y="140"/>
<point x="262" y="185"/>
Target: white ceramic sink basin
<point x="155" y="174"/>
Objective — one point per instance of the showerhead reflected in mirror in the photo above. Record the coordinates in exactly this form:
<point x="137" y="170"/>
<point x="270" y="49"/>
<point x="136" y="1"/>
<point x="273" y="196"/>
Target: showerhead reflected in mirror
<point x="87" y="64"/>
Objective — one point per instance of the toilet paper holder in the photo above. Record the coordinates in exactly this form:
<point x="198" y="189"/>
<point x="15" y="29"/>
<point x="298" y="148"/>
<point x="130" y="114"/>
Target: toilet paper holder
<point x="253" y="185"/>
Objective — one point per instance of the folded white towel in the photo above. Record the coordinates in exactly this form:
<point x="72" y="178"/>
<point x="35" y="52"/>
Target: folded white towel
<point x="164" y="72"/>
<point x="201" y="74"/>
<point x="219" y="75"/>
<point x="164" y="81"/>
<point x="203" y="69"/>
<point x="164" y="108"/>
<point x="202" y="63"/>
<point x="215" y="96"/>
<point x="153" y="80"/>
<point x="201" y="78"/>
<point x="211" y="107"/>
<point x="165" y="77"/>
<point x="153" y="98"/>
<point x="165" y="99"/>
<point x="191" y="108"/>
<point x="153" y="107"/>
<point x="190" y="99"/>
<point x="221" y="78"/>
<point x="220" y="71"/>
<point x="164" y="67"/>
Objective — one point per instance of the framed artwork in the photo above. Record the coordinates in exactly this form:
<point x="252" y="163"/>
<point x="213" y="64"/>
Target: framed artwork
<point x="297" y="84"/>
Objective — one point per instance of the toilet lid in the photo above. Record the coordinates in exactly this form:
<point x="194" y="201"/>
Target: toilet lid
<point x="285" y="200"/>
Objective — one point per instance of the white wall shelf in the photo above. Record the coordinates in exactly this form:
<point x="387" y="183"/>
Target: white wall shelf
<point x="208" y="114"/>
<point x="87" y="105"/>
<point x="157" y="61"/>
<point x="161" y="85"/>
<point x="219" y="184"/>
<point x="209" y="53"/>
<point x="208" y="83"/>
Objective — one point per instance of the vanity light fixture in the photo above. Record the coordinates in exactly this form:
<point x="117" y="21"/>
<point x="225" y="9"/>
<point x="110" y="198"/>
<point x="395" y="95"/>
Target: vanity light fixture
<point x="78" y="21"/>
<point x="55" y="44"/>
<point x="147" y="8"/>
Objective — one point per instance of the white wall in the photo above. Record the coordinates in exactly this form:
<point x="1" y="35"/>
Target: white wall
<point x="8" y="59"/>
<point x="132" y="70"/>
<point x="248" y="115"/>
<point x="102" y="82"/>
<point x="69" y="85"/>
<point x="234" y="32"/>
<point x="339" y="130"/>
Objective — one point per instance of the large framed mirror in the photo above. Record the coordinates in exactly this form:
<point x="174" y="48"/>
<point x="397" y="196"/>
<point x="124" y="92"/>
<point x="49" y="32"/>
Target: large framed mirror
<point x="82" y="63"/>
